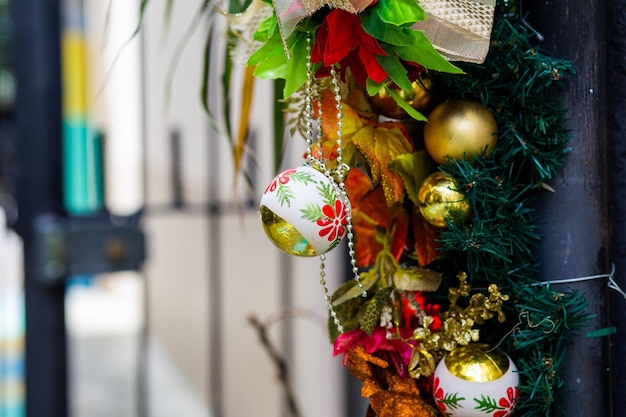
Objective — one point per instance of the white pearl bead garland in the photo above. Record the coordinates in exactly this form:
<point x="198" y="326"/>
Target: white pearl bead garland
<point x="339" y="177"/>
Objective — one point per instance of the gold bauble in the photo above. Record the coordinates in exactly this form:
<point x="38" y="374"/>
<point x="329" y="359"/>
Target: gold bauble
<point x="439" y="200"/>
<point x="459" y="129"/>
<point x="421" y="98"/>
<point x="471" y="376"/>
<point x="477" y="362"/>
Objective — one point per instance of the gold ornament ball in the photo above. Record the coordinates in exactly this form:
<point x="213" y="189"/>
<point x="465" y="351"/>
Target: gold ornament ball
<point x="477" y="362"/>
<point x="472" y="373"/>
<point x="420" y="97"/>
<point x="459" y="128"/>
<point x="440" y="200"/>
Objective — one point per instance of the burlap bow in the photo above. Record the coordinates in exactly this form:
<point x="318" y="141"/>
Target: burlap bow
<point x="459" y="29"/>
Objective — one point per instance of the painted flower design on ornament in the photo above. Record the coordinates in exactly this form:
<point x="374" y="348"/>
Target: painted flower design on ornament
<point x="445" y="401"/>
<point x="283" y="179"/>
<point x="508" y="402"/>
<point x="439" y="395"/>
<point x="333" y="224"/>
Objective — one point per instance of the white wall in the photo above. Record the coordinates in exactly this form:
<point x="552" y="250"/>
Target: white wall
<point x="191" y="251"/>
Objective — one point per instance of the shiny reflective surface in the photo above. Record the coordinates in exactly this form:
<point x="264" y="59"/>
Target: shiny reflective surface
<point x="439" y="200"/>
<point x="477" y="362"/>
<point x="283" y="235"/>
<point x="460" y="129"/>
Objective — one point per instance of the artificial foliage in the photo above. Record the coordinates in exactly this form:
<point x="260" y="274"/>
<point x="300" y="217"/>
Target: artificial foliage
<point x="484" y="267"/>
<point x="422" y="289"/>
<point x="517" y="83"/>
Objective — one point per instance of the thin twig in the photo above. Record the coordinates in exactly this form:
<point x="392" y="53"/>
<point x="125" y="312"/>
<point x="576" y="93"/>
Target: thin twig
<point x="279" y="362"/>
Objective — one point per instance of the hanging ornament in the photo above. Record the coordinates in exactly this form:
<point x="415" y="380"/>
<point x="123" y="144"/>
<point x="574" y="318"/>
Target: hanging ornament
<point x="440" y="201"/>
<point x="459" y="128"/>
<point x="303" y="213"/>
<point x="476" y="381"/>
<point x="306" y="211"/>
<point x="421" y="98"/>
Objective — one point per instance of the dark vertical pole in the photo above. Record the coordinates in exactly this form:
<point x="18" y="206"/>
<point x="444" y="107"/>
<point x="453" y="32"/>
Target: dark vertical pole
<point x="39" y="190"/>
<point x="575" y="218"/>
<point x="617" y="163"/>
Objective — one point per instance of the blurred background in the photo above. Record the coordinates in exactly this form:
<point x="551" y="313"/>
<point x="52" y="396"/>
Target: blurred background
<point x="130" y="261"/>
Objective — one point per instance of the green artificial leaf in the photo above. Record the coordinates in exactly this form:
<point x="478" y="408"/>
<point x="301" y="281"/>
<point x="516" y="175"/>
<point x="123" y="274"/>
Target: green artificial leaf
<point x="406" y="106"/>
<point x="399" y="12"/>
<point x="278" y="113"/>
<point x="396" y="71"/>
<point x="375" y="27"/>
<point x="367" y="279"/>
<point x="167" y="16"/>
<point x="274" y="66"/>
<point x="374" y="308"/>
<point x="373" y="87"/>
<point x="413" y="168"/>
<point x="424" y="53"/>
<point x="296" y="65"/>
<point x="347" y="312"/>
<point x="416" y="279"/>
<point x="266" y="29"/>
<point x="273" y="46"/>
<point x="204" y="91"/>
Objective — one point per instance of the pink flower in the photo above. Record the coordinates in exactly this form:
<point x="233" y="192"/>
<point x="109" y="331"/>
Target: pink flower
<point x="334" y="222"/>
<point x="396" y="352"/>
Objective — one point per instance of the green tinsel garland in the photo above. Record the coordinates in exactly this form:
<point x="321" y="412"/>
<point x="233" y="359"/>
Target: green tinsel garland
<point x="498" y="244"/>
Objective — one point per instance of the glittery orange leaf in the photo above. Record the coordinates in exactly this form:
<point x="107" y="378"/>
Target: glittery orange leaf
<point x="390" y="395"/>
<point x="374" y="221"/>
<point x="380" y="144"/>
<point x="426" y="244"/>
<point x="351" y="120"/>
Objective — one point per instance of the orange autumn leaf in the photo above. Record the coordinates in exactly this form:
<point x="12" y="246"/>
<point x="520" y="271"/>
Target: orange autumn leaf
<point x="357" y="185"/>
<point x="380" y="145"/>
<point x="426" y="244"/>
<point x="374" y="221"/>
<point x="351" y="120"/>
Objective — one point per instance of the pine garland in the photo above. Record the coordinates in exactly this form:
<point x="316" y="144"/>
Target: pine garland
<point x="498" y="244"/>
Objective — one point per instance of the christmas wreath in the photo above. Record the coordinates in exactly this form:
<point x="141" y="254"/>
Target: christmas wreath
<point x="430" y="128"/>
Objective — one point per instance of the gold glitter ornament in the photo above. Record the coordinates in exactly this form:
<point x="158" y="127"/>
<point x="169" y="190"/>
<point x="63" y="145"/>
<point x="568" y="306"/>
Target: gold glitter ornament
<point x="421" y="98"/>
<point x="476" y="380"/>
<point x="440" y="200"/>
<point x="459" y="129"/>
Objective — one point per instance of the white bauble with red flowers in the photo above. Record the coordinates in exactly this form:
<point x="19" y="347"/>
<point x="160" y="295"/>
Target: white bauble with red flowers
<point x="303" y="212"/>
<point x="476" y="381"/>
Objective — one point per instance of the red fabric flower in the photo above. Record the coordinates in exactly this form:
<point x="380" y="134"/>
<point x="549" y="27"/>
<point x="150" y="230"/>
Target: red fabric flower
<point x="432" y="310"/>
<point x="335" y="221"/>
<point x="342" y="40"/>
